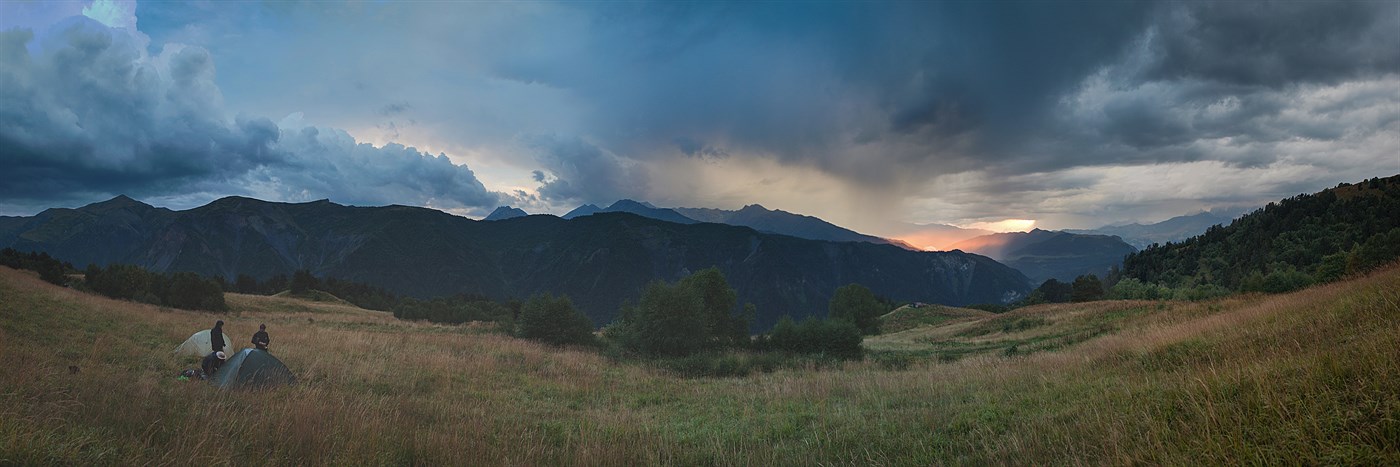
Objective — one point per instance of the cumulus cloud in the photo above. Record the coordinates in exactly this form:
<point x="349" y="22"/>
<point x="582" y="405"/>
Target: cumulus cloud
<point x="88" y="112"/>
<point x="580" y="171"/>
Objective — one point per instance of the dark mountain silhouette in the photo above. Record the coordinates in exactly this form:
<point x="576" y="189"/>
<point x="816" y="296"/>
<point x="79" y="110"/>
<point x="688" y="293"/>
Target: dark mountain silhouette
<point x="645" y="209"/>
<point x="505" y="212"/>
<point x="1044" y="254"/>
<point x="1171" y="230"/>
<point x="754" y="216"/>
<point x="585" y="210"/>
<point x="782" y="222"/>
<point x="598" y="260"/>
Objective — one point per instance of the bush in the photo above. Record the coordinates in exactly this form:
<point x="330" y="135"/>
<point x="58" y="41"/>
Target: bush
<point x="1133" y="289"/>
<point x="553" y="320"/>
<point x="302" y="281"/>
<point x="858" y="305"/>
<point x="1086" y="288"/>
<point x="691" y="316"/>
<point x="834" y="337"/>
<point x="192" y="292"/>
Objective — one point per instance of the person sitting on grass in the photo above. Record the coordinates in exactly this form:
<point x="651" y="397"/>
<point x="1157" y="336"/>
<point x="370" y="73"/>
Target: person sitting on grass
<point x="211" y="363"/>
<point x="260" y="339"/>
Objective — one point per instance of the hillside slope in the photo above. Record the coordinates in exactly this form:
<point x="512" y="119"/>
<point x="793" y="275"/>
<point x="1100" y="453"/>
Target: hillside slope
<point x="598" y="260"/>
<point x="1310" y="237"/>
<point x="1297" y="378"/>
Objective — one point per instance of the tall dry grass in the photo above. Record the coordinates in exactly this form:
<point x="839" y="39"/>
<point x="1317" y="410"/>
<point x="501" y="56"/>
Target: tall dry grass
<point x="1308" y="377"/>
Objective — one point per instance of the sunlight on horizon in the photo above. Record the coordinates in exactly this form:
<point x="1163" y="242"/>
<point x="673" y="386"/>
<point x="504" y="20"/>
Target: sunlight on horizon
<point x="1003" y="226"/>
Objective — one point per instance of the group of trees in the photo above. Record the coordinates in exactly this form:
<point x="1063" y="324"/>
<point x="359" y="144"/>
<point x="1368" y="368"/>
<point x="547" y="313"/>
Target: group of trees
<point x="695" y="314"/>
<point x="50" y="269"/>
<point x="184" y="290"/>
<point x="1284" y="246"/>
<point x="1085" y="288"/>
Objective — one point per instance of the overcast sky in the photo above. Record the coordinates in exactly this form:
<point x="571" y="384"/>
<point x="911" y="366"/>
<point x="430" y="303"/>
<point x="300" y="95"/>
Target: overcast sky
<point x="1072" y="114"/>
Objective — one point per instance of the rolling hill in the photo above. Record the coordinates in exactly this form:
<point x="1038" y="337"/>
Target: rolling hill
<point x="1306" y="377"/>
<point x="599" y="260"/>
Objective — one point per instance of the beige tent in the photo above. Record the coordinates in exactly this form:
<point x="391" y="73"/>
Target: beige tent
<point x="198" y="345"/>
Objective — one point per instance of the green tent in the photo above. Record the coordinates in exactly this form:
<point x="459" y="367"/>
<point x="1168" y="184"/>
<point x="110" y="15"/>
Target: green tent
<point x="252" y="368"/>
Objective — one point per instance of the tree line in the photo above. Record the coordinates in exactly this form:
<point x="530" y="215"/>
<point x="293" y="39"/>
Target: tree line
<point x="125" y="282"/>
<point x="1299" y="241"/>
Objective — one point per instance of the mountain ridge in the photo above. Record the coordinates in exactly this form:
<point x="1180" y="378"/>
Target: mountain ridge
<point x="599" y="260"/>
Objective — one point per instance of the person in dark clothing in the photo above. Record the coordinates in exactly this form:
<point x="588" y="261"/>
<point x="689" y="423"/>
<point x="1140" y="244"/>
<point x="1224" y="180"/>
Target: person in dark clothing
<point x="260" y="339"/>
<point x="211" y="363"/>
<point x="216" y="337"/>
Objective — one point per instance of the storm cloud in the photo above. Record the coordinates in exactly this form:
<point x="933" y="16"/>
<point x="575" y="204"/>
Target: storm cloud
<point x="89" y="113"/>
<point x="911" y="111"/>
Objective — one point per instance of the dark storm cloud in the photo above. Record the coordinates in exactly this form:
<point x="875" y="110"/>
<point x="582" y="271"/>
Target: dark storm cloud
<point x="88" y="113"/>
<point x="1276" y="43"/>
<point x="924" y="88"/>
<point x="802" y="84"/>
<point x="583" y="172"/>
<point x="1234" y="82"/>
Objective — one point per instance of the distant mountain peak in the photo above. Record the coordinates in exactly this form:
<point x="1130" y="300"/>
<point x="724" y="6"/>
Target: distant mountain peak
<point x="118" y="202"/>
<point x="505" y="212"/>
<point x="584" y="210"/>
<point x="624" y="203"/>
<point x="755" y="207"/>
<point x="645" y="209"/>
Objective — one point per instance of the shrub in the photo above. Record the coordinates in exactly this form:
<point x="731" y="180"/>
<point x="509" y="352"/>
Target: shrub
<point x="192" y="292"/>
<point x="858" y="305"/>
<point x="1133" y="289"/>
<point x="1086" y="288"/>
<point x="553" y="320"/>
<point x="302" y="281"/>
<point x="693" y="315"/>
<point x="834" y="337"/>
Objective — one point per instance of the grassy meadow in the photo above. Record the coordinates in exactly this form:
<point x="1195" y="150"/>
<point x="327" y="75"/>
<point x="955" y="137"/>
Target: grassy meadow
<point x="1308" y="377"/>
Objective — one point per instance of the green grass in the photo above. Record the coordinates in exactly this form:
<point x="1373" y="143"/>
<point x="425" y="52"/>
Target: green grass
<point x="1303" y="378"/>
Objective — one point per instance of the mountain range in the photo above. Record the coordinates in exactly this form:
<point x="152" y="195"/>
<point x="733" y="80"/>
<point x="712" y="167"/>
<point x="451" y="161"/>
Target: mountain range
<point x="1176" y="229"/>
<point x="1045" y="254"/>
<point x="599" y="260"/>
<point x="753" y="216"/>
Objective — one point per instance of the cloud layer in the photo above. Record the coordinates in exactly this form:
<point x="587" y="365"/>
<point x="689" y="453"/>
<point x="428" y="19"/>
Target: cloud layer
<point x="89" y="113"/>
<point x="1074" y="114"/>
